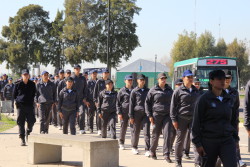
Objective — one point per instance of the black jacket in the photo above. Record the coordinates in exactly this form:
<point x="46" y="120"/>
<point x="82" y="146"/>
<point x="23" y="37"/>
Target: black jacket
<point x="214" y="119"/>
<point x="183" y="101"/>
<point x="45" y="94"/>
<point x="122" y="103"/>
<point x="99" y="86"/>
<point x="158" y="101"/>
<point x="107" y="101"/>
<point x="8" y="91"/>
<point x="24" y="93"/>
<point x="236" y="99"/>
<point x="68" y="101"/>
<point x="80" y="85"/>
<point x="60" y="86"/>
<point x="91" y="86"/>
<point x="2" y="85"/>
<point x="137" y="101"/>
<point x="247" y="107"/>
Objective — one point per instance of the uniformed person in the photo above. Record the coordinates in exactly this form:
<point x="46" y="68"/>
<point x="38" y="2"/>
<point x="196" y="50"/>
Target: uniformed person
<point x="138" y="117"/>
<point x="181" y="112"/>
<point x="100" y="86"/>
<point x="24" y="94"/>
<point x="68" y="106"/>
<point x="80" y="85"/>
<point x="107" y="109"/>
<point x="8" y="94"/>
<point x="214" y="129"/>
<point x="157" y="107"/>
<point x="122" y="107"/>
<point x="2" y="85"/>
<point x="92" y="108"/>
<point x="45" y="99"/>
<point x="247" y="108"/>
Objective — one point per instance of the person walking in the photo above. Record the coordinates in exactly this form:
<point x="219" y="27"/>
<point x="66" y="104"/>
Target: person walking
<point x="8" y="95"/>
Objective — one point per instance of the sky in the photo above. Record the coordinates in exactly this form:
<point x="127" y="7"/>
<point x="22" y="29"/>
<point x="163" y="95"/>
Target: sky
<point x="160" y="22"/>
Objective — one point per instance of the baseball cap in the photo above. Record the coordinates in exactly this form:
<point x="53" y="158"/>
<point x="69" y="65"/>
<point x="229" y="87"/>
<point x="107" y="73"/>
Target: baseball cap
<point x="25" y="71"/>
<point x="127" y="77"/>
<point x="187" y="73"/>
<point x="178" y="81"/>
<point x="77" y="66"/>
<point x="141" y="76"/>
<point x="92" y="71"/>
<point x="161" y="75"/>
<point x="217" y="74"/>
<point x="68" y="71"/>
<point x="61" y="71"/>
<point x="105" y="70"/>
<point x="10" y="79"/>
<point x="108" y="81"/>
<point x="196" y="80"/>
<point x="44" y="72"/>
<point x="228" y="74"/>
<point x="69" y="79"/>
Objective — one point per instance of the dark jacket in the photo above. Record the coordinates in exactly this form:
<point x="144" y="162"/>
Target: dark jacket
<point x="99" y="86"/>
<point x="2" y="85"/>
<point x="61" y="85"/>
<point x="91" y="86"/>
<point x="158" y="101"/>
<point x="247" y="107"/>
<point x="214" y="119"/>
<point x="137" y="101"/>
<point x="107" y="101"/>
<point x="24" y="93"/>
<point x="45" y="94"/>
<point x="236" y="99"/>
<point x="56" y="82"/>
<point x="80" y="85"/>
<point x="183" y="101"/>
<point x="68" y="101"/>
<point x="122" y="103"/>
<point x="8" y="91"/>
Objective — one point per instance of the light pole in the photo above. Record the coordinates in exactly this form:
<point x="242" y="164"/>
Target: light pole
<point x="108" y="39"/>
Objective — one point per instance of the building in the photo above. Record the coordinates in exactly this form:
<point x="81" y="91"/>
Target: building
<point x="141" y="66"/>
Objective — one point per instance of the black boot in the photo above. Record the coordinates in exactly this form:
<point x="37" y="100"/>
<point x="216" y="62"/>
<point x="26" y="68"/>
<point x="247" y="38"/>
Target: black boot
<point x="23" y="143"/>
<point x="178" y="164"/>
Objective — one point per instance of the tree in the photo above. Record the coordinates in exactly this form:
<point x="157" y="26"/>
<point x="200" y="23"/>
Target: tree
<point x="205" y="45"/>
<point x="25" y="35"/>
<point x="221" y="48"/>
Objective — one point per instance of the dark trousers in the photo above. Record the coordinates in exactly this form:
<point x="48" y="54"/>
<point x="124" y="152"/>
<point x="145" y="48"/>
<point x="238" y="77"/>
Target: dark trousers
<point x="25" y="113"/>
<point x="162" y="124"/>
<point x="187" y="142"/>
<point x="124" y="127"/>
<point x="98" y="122"/>
<point x="69" y="120"/>
<point x="183" y="126"/>
<point x="44" y="113"/>
<point x="82" y="116"/>
<point x="59" y="119"/>
<point x="54" y="115"/>
<point x="173" y="135"/>
<point x="90" y="115"/>
<point x="1" y="96"/>
<point x="197" y="157"/>
<point x="141" y="120"/>
<point x="223" y="148"/>
<point x="109" y="119"/>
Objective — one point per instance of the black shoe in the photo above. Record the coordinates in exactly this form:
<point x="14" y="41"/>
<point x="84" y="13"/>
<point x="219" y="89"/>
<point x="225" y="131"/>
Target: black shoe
<point x="187" y="156"/>
<point x="178" y="164"/>
<point x="153" y="156"/>
<point x="91" y="131"/>
<point x="27" y="135"/>
<point x="42" y="132"/>
<point x="23" y="143"/>
<point x="197" y="165"/>
<point x="167" y="158"/>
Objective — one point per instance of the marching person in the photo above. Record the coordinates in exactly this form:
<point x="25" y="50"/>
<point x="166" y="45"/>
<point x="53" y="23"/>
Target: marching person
<point x="92" y="108"/>
<point x="100" y="86"/>
<point x="214" y="129"/>
<point x="45" y="99"/>
<point x="138" y="117"/>
<point x="80" y="85"/>
<point x="2" y="85"/>
<point x="122" y="107"/>
<point x="181" y="112"/>
<point x="107" y="109"/>
<point x="24" y="94"/>
<point x="157" y="107"/>
<point x="68" y="106"/>
<point x="8" y="94"/>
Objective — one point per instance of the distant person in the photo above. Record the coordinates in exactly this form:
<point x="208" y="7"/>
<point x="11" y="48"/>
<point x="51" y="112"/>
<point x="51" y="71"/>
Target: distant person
<point x="8" y="94"/>
<point x="2" y="85"/>
<point x="24" y="94"/>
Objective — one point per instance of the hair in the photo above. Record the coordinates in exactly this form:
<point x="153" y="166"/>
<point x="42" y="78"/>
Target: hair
<point x="209" y="85"/>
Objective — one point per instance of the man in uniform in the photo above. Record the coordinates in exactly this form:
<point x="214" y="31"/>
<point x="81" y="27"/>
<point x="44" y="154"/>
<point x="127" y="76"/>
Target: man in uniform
<point x="2" y="85"/>
<point x="8" y="93"/>
<point x="24" y="94"/>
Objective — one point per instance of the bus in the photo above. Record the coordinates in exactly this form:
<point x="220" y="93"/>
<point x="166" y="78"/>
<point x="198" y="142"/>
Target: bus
<point x="201" y="67"/>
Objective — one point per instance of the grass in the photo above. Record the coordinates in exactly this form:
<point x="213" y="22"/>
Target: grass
<point x="6" y="123"/>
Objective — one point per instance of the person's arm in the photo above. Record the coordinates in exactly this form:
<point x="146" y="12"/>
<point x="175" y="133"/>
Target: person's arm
<point x="132" y="103"/>
<point x="4" y="92"/>
<point x="119" y="103"/>
<point x="54" y="92"/>
<point x="96" y="90"/>
<point x="60" y="101"/>
<point x="100" y="100"/>
<point x="14" y="95"/>
<point x="37" y="94"/>
<point x="247" y="108"/>
<point x="149" y="104"/>
<point x="173" y="106"/>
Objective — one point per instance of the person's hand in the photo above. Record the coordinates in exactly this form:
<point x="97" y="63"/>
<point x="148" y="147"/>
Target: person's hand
<point x="37" y="105"/>
<point x="201" y="151"/>
<point x="175" y="124"/>
<point x="61" y="115"/>
<point x="77" y="114"/>
<point x="151" y="119"/>
<point x="132" y="120"/>
<point x="96" y="104"/>
<point x="86" y="103"/>
<point x="248" y="133"/>
<point x="120" y="117"/>
<point x="100" y="115"/>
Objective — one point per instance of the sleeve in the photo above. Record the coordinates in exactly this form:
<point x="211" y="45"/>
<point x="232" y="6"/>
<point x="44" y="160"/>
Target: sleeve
<point x="196" y="131"/>
<point x="132" y="103"/>
<point x="14" y="95"/>
<point x="60" y="101"/>
<point x="34" y="90"/>
<point x="119" y="102"/>
<point x="235" y="117"/>
<point x="77" y="101"/>
<point x="173" y="106"/>
<point x="58" y="90"/>
<point x="37" y="93"/>
<point x="247" y="107"/>
<point x="100" y="100"/>
<point x="54" y="92"/>
<point x="85" y="89"/>
<point x="4" y="92"/>
<point x="149" y="104"/>
<point x="95" y="94"/>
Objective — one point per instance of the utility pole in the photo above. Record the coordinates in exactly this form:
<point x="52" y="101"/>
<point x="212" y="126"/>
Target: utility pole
<point x="108" y="39"/>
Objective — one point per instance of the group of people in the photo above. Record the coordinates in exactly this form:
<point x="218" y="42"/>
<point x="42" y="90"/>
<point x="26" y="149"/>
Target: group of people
<point x="210" y="119"/>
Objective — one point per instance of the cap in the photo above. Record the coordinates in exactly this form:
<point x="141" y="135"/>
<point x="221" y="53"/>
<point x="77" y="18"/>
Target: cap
<point x="92" y="71"/>
<point x="141" y="76"/>
<point x="61" y="71"/>
<point x="162" y="75"/>
<point x="4" y="75"/>
<point x="77" y="66"/>
<point x="196" y="80"/>
<point x="105" y="70"/>
<point x="127" y="77"/>
<point x="178" y="81"/>
<point x="108" y="81"/>
<point x="187" y="73"/>
<point x="217" y="74"/>
<point x="44" y="72"/>
<point x="25" y="71"/>
<point x="86" y="73"/>
<point x="56" y="75"/>
<point x="68" y="71"/>
<point x="35" y="79"/>
<point x="69" y="79"/>
<point x="10" y="79"/>
<point x="228" y="73"/>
